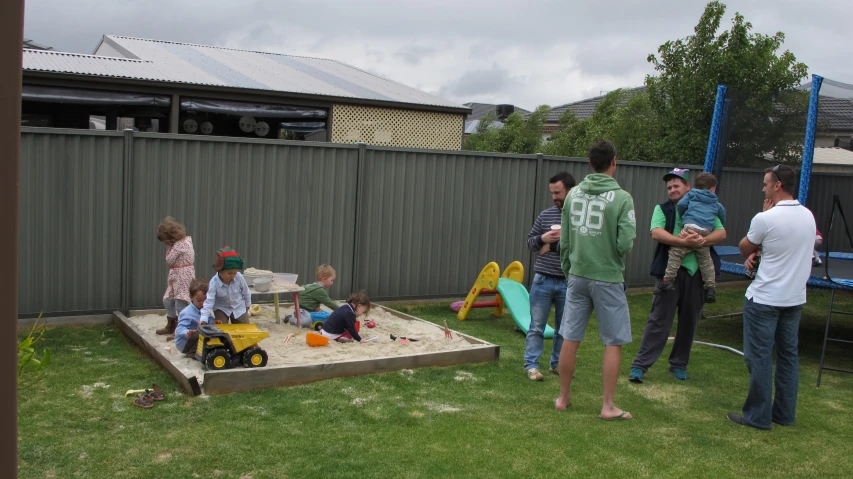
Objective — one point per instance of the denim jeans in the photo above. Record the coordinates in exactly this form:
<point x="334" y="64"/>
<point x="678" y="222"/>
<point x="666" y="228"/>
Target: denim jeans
<point x="764" y="326"/>
<point x="544" y="292"/>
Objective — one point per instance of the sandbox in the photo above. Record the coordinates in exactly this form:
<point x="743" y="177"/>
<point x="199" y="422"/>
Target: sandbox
<point x="297" y="363"/>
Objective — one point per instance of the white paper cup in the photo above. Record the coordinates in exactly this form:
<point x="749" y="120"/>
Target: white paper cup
<point x="556" y="227"/>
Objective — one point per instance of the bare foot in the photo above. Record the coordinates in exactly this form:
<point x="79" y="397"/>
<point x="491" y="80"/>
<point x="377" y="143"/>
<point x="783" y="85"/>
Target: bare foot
<point x="614" y="413"/>
<point x="562" y="405"/>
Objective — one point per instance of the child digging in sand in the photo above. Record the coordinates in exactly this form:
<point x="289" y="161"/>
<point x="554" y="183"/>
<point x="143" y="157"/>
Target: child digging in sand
<point x="340" y="325"/>
<point x="316" y="294"/>
<point x="228" y="296"/>
<point x="180" y="257"/>
<point x="186" y="334"/>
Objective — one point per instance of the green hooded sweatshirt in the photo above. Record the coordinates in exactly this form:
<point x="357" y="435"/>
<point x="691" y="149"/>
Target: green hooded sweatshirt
<point x="598" y="229"/>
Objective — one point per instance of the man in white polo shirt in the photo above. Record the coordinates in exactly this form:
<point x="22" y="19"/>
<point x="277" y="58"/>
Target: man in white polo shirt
<point x="774" y="301"/>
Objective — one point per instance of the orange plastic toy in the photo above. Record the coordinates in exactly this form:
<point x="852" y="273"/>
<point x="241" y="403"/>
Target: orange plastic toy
<point x="314" y="340"/>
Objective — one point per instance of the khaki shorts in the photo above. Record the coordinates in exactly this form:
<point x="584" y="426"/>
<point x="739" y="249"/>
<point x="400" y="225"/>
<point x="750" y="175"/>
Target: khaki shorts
<point x="608" y="300"/>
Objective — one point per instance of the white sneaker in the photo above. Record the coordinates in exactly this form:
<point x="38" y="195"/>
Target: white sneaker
<point x="533" y="374"/>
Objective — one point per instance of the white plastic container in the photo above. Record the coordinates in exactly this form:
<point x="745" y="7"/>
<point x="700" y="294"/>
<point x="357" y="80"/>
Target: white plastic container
<point x="262" y="285"/>
<point x="250" y="277"/>
<point x="285" y="279"/>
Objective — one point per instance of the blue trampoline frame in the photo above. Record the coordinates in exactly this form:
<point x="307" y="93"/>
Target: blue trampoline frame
<point x="711" y="158"/>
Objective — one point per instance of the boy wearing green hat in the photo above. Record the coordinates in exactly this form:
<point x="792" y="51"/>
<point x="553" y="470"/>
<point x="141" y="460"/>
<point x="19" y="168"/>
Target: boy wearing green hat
<point x="228" y="296"/>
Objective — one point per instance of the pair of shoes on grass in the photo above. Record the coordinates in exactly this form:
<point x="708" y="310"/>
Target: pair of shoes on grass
<point x="533" y="374"/>
<point x="637" y="375"/>
<point x="146" y="400"/>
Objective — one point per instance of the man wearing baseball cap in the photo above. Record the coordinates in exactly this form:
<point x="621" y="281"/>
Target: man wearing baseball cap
<point x="689" y="295"/>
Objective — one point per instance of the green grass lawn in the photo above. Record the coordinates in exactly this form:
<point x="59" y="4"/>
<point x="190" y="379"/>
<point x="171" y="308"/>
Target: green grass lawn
<point x="483" y="420"/>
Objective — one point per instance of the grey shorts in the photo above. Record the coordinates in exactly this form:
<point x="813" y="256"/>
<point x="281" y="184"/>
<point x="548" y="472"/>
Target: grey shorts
<point x="611" y="309"/>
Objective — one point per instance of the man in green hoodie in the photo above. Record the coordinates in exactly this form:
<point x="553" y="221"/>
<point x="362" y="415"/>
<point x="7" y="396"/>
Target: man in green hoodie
<point x="598" y="232"/>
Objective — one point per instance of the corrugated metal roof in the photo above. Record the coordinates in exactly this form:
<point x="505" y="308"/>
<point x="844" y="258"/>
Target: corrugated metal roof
<point x="226" y="67"/>
<point x="60" y="62"/>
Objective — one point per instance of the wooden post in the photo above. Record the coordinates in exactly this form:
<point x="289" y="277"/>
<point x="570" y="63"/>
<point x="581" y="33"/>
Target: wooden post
<point x="11" y="58"/>
<point x="175" y="115"/>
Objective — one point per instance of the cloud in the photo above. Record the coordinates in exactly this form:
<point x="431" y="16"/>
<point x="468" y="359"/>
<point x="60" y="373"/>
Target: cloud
<point x="413" y="54"/>
<point x="489" y="81"/>
<point x="614" y="56"/>
<point x="478" y="50"/>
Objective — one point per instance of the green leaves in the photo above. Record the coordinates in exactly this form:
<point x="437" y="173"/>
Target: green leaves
<point x="625" y="117"/>
<point x="518" y="134"/>
<point x="669" y="121"/>
<point x="30" y="367"/>
<point x="689" y="70"/>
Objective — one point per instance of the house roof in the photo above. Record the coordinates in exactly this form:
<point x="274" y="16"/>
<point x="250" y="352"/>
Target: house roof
<point x="471" y="126"/>
<point x="479" y="110"/>
<point x="584" y="108"/>
<point x="35" y="46"/>
<point x="835" y="114"/>
<point x="833" y="156"/>
<point x="162" y="61"/>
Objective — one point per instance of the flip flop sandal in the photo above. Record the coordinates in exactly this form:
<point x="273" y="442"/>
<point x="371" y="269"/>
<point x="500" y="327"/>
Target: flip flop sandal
<point x="156" y="394"/>
<point x="621" y="417"/>
<point x="144" y="401"/>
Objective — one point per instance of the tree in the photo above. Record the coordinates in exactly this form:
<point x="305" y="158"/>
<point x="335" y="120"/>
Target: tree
<point x="624" y="117"/>
<point x="767" y="115"/>
<point x="518" y="134"/>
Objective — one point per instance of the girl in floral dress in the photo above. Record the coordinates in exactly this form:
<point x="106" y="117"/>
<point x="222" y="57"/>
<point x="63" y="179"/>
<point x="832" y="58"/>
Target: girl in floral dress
<point x="181" y="258"/>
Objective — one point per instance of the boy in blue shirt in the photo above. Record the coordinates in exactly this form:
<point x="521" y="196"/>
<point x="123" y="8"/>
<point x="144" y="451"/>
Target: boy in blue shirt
<point x="186" y="333"/>
<point x="698" y="210"/>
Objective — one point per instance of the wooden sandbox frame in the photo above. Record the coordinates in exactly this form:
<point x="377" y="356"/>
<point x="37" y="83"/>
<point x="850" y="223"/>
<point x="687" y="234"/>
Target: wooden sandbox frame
<point x="240" y="379"/>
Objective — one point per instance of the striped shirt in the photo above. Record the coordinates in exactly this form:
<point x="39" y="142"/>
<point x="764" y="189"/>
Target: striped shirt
<point x="548" y="263"/>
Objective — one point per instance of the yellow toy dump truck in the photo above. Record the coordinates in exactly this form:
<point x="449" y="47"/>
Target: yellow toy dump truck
<point x="224" y="346"/>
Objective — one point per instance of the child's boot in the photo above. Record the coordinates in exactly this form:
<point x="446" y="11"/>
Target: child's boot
<point x="169" y="328"/>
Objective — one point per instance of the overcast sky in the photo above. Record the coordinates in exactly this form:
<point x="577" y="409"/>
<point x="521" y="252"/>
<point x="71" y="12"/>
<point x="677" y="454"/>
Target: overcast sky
<point x="493" y="51"/>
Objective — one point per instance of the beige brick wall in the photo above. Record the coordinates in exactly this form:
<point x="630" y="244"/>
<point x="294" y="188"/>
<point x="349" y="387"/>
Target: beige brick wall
<point x="392" y="127"/>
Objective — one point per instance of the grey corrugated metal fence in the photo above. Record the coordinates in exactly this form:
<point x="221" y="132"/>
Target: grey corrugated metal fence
<point x="395" y="222"/>
<point x="70" y="221"/>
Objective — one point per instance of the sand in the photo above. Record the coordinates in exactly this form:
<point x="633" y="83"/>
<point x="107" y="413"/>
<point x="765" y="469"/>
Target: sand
<point x="257" y="272"/>
<point x="297" y="352"/>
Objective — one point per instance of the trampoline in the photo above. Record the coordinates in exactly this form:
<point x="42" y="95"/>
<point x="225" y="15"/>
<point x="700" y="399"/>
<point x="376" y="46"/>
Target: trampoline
<point x="840" y="268"/>
<point x="836" y="272"/>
